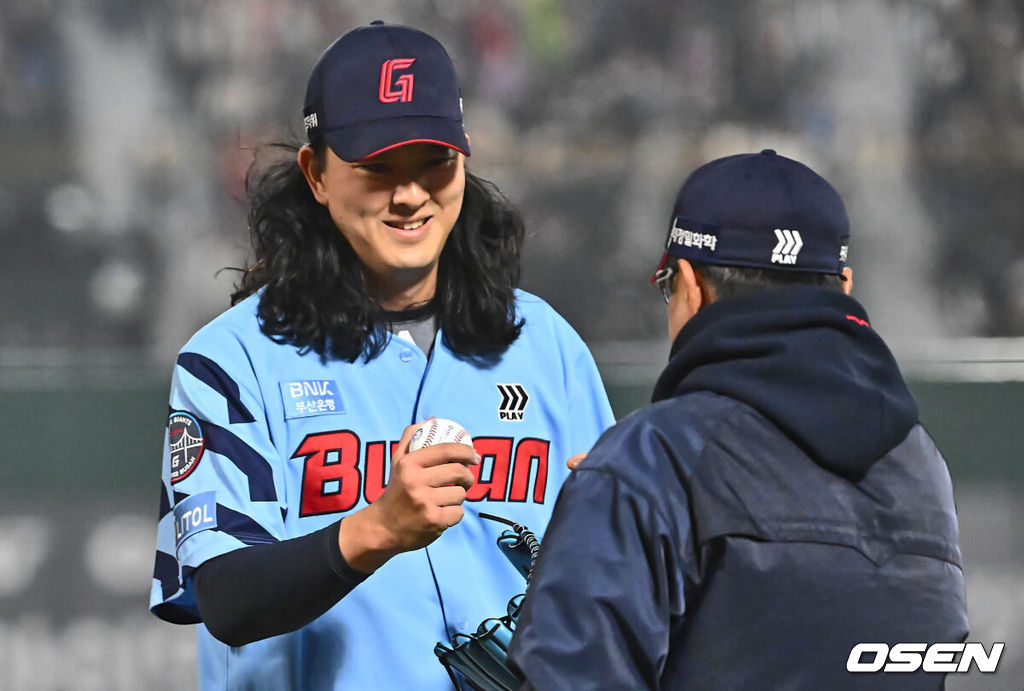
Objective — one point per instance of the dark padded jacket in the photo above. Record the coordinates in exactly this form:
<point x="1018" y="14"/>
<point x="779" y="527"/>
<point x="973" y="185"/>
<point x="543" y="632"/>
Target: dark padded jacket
<point x="777" y="504"/>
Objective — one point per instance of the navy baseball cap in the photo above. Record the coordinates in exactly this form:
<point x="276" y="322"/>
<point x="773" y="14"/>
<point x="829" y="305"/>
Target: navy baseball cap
<point x="759" y="210"/>
<point x="382" y="86"/>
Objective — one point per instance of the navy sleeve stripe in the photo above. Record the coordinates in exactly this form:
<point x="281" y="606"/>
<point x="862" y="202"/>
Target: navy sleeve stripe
<point x="165" y="502"/>
<point x="256" y="468"/>
<point x="210" y="373"/>
<point x="165" y="570"/>
<point x="242" y="527"/>
<point x="183" y="609"/>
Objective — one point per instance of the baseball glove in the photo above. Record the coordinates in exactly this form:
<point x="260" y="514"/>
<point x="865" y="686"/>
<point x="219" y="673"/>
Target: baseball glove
<point x="479" y="660"/>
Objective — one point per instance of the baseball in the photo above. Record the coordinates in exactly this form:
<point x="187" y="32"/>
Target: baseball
<point x="439" y="431"/>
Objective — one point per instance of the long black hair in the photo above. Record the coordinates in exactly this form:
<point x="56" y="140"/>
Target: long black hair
<point x="315" y="294"/>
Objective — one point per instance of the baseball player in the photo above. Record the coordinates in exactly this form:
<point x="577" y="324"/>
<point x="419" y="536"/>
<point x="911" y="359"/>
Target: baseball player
<point x="779" y="502"/>
<point x="311" y="547"/>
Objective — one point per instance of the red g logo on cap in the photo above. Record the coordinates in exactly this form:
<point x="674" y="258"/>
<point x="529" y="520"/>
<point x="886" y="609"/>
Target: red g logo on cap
<point x="401" y="90"/>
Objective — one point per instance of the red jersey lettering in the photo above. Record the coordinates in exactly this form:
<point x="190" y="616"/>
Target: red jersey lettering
<point x="334" y="480"/>
<point x="330" y="478"/>
<point x="496" y="453"/>
<point x="528" y="450"/>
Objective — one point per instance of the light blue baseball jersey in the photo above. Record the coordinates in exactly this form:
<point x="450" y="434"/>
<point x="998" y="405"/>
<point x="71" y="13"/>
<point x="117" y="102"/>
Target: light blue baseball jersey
<point x="266" y="442"/>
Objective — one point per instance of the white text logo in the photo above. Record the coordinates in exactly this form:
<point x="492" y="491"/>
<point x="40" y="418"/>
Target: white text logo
<point x="909" y="657"/>
<point x="690" y="238"/>
<point x="788" y="247"/>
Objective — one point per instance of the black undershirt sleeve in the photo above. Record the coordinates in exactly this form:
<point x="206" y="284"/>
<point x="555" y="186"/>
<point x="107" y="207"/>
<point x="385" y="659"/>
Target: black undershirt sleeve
<point x="265" y="590"/>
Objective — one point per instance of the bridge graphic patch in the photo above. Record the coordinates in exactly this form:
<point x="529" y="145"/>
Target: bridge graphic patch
<point x="185" y="438"/>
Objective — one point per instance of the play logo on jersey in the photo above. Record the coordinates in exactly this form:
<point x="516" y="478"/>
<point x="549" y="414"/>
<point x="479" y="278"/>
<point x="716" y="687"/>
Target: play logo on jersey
<point x="186" y="441"/>
<point x="310" y="397"/>
<point x="513" y="401"/>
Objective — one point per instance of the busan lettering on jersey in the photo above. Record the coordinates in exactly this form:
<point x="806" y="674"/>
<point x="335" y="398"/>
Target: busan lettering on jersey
<point x="339" y="470"/>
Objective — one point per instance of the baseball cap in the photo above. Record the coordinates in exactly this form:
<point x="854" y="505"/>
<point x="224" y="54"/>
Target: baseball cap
<point x="382" y="86"/>
<point x="759" y="210"/>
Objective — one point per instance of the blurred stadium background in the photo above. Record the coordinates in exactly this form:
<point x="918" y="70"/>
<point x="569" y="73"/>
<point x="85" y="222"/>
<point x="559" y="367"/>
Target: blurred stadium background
<point x="126" y="127"/>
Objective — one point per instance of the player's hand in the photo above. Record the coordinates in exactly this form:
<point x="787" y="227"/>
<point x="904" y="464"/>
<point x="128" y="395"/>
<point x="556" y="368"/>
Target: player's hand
<point x="575" y="461"/>
<point x="423" y="498"/>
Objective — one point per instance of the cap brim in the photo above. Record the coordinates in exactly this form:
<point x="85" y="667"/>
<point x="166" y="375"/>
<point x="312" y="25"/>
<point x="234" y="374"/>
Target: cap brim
<point x="356" y="142"/>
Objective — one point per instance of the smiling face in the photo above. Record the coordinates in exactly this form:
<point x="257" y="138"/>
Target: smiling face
<point x="396" y="209"/>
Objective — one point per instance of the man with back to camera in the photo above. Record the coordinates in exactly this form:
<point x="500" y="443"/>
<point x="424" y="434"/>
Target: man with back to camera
<point x="779" y="502"/>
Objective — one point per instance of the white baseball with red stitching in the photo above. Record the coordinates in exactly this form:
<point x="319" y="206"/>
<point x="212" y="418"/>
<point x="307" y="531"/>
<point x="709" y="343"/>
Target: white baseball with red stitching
<point x="439" y="431"/>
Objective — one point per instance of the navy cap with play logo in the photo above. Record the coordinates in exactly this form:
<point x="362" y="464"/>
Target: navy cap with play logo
<point x="382" y="86"/>
<point x="759" y="210"/>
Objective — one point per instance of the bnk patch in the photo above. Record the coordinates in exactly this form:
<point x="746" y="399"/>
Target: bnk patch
<point x="186" y="440"/>
<point x="310" y="397"/>
<point x="196" y="513"/>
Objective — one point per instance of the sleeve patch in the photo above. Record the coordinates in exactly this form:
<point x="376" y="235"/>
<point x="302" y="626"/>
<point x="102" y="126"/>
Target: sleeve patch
<point x="186" y="440"/>
<point x="195" y="514"/>
<point x="310" y="397"/>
